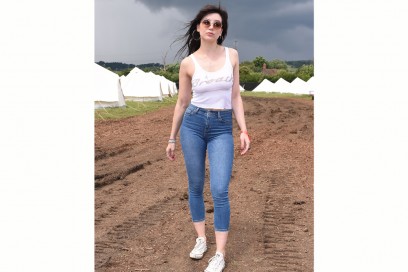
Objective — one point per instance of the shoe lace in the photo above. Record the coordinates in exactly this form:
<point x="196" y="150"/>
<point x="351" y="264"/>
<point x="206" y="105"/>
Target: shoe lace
<point x="215" y="261"/>
<point x="198" y="244"/>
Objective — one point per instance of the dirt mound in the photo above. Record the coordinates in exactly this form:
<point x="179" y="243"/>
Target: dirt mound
<point x="142" y="221"/>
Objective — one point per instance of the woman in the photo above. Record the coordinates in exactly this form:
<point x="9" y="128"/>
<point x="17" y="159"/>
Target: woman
<point x="208" y="94"/>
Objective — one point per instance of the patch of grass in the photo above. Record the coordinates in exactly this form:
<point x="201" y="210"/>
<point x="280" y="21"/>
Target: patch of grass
<point x="276" y="95"/>
<point x="133" y="108"/>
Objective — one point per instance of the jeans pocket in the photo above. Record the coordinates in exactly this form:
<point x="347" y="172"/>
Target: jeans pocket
<point x="190" y="111"/>
<point x="225" y="120"/>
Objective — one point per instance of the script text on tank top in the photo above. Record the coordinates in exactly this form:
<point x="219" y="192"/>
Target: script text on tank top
<point x="198" y="82"/>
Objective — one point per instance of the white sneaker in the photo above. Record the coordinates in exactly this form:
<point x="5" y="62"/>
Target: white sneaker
<point x="216" y="263"/>
<point x="199" y="249"/>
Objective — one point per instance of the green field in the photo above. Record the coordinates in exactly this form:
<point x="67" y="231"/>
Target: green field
<point x="134" y="108"/>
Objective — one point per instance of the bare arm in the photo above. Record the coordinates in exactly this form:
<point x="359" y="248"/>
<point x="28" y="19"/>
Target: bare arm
<point x="183" y="100"/>
<point x="237" y="105"/>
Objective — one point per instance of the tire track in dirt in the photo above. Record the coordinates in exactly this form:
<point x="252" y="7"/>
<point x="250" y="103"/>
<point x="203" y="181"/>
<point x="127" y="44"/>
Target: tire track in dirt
<point x="109" y="178"/>
<point x="108" y="210"/>
<point x="101" y="154"/>
<point x="281" y="228"/>
<point x="116" y="240"/>
<point x="123" y="153"/>
<point x="105" y="211"/>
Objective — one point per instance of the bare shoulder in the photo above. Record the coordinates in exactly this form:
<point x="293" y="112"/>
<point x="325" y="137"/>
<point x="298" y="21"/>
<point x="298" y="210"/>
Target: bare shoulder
<point x="233" y="51"/>
<point x="233" y="55"/>
<point x="186" y="63"/>
<point x="187" y="66"/>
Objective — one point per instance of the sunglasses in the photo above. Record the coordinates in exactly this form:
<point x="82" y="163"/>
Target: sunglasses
<point x="216" y="24"/>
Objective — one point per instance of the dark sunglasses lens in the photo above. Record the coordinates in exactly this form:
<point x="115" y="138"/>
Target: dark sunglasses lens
<point x="217" y="25"/>
<point x="206" y="23"/>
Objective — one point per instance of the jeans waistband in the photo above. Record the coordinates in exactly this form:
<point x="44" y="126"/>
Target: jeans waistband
<point x="197" y="109"/>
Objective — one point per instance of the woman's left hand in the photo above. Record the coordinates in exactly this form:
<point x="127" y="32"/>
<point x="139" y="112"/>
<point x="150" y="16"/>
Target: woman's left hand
<point x="170" y="151"/>
<point x="245" y="142"/>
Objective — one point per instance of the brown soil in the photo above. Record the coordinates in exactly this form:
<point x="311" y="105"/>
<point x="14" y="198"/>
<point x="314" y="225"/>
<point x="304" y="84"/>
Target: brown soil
<point x="142" y="220"/>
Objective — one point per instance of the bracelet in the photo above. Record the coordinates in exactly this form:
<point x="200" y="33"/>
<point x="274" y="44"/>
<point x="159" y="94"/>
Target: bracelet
<point x="172" y="141"/>
<point x="246" y="133"/>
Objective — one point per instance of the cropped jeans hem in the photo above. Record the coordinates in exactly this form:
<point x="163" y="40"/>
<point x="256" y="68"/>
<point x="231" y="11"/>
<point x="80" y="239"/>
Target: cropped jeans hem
<point x="221" y="230"/>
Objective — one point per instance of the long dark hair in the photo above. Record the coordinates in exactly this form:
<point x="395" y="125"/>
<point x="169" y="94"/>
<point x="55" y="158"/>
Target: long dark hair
<point x="191" y="43"/>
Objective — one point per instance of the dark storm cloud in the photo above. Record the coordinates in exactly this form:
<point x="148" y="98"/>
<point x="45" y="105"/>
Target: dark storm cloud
<point x="261" y="21"/>
<point x="143" y="31"/>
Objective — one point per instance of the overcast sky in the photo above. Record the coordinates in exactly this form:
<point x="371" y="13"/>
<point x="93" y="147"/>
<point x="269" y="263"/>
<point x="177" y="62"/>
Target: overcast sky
<point x="142" y="31"/>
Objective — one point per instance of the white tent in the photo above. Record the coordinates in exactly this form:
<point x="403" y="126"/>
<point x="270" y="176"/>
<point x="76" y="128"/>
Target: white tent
<point x="298" y="86"/>
<point x="310" y="85"/>
<point x="174" y="90"/>
<point x="122" y="81"/>
<point x="142" y="87"/>
<point x="168" y="87"/>
<point x="107" y="91"/>
<point x="280" y="86"/>
<point x="264" y="86"/>
<point x="135" y="71"/>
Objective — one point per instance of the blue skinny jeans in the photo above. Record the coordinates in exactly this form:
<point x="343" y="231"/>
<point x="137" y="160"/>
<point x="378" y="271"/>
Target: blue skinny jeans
<point x="205" y="130"/>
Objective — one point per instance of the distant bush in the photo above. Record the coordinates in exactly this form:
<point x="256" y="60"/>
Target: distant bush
<point x="251" y="77"/>
<point x="305" y="72"/>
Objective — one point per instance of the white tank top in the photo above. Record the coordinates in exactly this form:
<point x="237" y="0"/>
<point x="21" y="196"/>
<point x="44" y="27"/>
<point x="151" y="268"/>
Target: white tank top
<point x="212" y="89"/>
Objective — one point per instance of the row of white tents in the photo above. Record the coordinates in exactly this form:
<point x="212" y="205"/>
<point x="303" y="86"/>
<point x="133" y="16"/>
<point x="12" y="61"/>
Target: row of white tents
<point x="112" y="90"/>
<point x="297" y="86"/>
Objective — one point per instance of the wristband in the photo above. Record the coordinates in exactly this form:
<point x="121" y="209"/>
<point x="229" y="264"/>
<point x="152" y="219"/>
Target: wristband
<point x="172" y="141"/>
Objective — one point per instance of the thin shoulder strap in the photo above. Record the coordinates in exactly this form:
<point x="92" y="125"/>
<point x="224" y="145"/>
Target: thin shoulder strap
<point x="227" y="56"/>
<point x="194" y="60"/>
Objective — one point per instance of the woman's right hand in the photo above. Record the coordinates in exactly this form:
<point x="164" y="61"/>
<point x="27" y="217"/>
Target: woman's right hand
<point x="170" y="151"/>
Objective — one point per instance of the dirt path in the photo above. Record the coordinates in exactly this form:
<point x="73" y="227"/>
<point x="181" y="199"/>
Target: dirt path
<point x="142" y="221"/>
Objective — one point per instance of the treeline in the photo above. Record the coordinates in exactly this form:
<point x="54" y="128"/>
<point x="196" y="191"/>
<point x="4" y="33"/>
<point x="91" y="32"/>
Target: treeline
<point x="119" y="66"/>
<point x="249" y="71"/>
<point x="116" y="66"/>
<point x="299" y="63"/>
<point x="150" y="66"/>
<point x="254" y="72"/>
